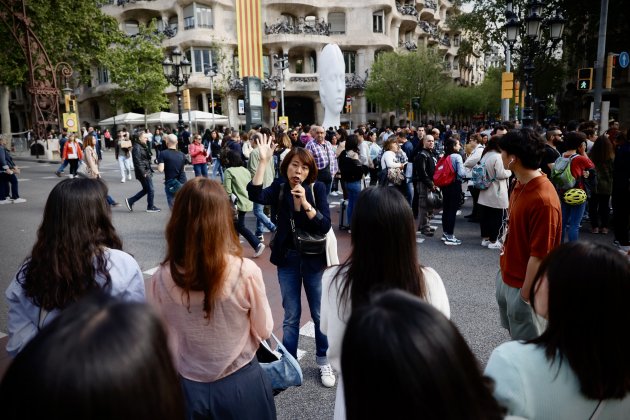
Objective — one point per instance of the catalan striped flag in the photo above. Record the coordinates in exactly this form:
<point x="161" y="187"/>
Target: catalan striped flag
<point x="249" y="29"/>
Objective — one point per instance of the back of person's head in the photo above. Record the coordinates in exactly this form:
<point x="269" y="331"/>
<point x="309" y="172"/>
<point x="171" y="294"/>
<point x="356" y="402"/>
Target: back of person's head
<point x="201" y="220"/>
<point x="77" y="223"/>
<point x="101" y="358"/>
<point x="492" y="145"/>
<point x="425" y="368"/>
<point x="352" y="144"/>
<point x="383" y="254"/>
<point x="233" y="159"/>
<point x="602" y="150"/>
<point x="572" y="125"/>
<point x="526" y="145"/>
<point x="574" y="139"/>
<point x="587" y="287"/>
<point x="449" y="146"/>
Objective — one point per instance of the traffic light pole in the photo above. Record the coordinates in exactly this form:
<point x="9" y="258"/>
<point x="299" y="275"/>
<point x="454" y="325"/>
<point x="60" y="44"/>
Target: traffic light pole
<point x="599" y="70"/>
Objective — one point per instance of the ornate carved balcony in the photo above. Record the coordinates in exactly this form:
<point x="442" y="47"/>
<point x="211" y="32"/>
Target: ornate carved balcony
<point x="406" y="9"/>
<point x="301" y="27"/>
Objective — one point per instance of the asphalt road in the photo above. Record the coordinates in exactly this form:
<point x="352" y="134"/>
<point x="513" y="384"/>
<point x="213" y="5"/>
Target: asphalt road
<point x="468" y="270"/>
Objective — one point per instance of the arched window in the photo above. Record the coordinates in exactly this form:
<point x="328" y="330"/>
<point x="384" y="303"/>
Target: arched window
<point x="131" y="27"/>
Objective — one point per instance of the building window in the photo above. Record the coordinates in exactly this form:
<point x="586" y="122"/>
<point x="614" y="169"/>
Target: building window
<point x="266" y="66"/>
<point x="377" y="21"/>
<point x="236" y="66"/>
<point x="349" y="57"/>
<point x="289" y="19"/>
<point x="313" y="62"/>
<point x="204" y="17"/>
<point x="172" y="23"/>
<point x="189" y="16"/>
<point x="103" y="75"/>
<point x="371" y="107"/>
<point x="299" y="66"/>
<point x="131" y="27"/>
<point x="201" y="57"/>
<point x="96" y="111"/>
<point x="337" y="22"/>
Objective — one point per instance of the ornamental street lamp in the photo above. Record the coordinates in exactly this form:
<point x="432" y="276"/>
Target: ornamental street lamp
<point x="532" y="44"/>
<point x="177" y="71"/>
<point x="281" y="64"/>
<point x="211" y="71"/>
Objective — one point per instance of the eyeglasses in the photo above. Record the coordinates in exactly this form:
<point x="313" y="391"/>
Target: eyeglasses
<point x="320" y="132"/>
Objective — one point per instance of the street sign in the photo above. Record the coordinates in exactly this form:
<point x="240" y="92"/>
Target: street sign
<point x="507" y="85"/>
<point x="584" y="85"/>
<point x="70" y="122"/>
<point x="273" y="104"/>
<point x="623" y="59"/>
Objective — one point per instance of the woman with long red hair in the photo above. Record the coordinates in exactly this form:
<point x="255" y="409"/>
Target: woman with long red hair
<point x="215" y="307"/>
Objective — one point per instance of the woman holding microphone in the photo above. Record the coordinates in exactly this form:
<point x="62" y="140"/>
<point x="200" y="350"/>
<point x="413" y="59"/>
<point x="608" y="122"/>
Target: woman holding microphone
<point x="298" y="201"/>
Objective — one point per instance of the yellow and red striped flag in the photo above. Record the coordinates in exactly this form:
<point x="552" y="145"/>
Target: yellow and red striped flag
<point x="249" y="30"/>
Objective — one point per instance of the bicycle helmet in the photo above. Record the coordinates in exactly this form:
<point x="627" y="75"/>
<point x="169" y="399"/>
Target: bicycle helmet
<point x="575" y="196"/>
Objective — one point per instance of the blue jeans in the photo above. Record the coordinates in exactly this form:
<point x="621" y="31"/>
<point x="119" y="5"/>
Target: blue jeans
<point x="170" y="198"/>
<point x="63" y="165"/>
<point x="352" y="190"/>
<point x="201" y="169"/>
<point x="217" y="169"/>
<point x="262" y="221"/>
<point x="240" y="227"/>
<point x="147" y="189"/>
<point x="291" y="277"/>
<point x="408" y="193"/>
<point x="572" y="216"/>
<point x="5" y="181"/>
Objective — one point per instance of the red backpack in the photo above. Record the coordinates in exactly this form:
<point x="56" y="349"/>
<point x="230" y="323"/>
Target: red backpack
<point x="444" y="173"/>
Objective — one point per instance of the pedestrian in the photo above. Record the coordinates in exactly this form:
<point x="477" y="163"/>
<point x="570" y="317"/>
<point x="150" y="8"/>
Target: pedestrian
<point x="72" y="152"/>
<point x="214" y="305"/>
<point x="429" y="370"/>
<point x="172" y="162"/>
<point x="215" y="149"/>
<point x="477" y="149"/>
<point x="77" y="250"/>
<point x="382" y="225"/>
<point x="100" y="358"/>
<point x="300" y="202"/>
<point x="352" y="172"/>
<point x="452" y="192"/>
<point x="424" y="167"/>
<point x="122" y="152"/>
<point x="198" y="155"/>
<point x="621" y="191"/>
<point x="602" y="155"/>
<point x="324" y="156"/>
<point x="493" y="201"/>
<point x="236" y="178"/>
<point x="9" y="192"/>
<point x="64" y="162"/>
<point x="144" y="174"/>
<point x="263" y="223"/>
<point x="561" y="374"/>
<point x="91" y="162"/>
<point x="532" y="229"/>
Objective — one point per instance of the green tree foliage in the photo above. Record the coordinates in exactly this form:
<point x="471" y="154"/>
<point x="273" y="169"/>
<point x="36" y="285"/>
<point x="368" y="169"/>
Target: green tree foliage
<point x="396" y="77"/>
<point x="135" y="66"/>
<point x="74" y="31"/>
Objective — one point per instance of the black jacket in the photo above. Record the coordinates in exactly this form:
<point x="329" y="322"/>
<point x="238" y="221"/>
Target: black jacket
<point x="351" y="169"/>
<point x="424" y="167"/>
<point x="141" y="160"/>
<point x="283" y="239"/>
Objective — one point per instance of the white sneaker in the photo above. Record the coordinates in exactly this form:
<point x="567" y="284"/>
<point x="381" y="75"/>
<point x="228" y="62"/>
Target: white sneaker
<point x="259" y="250"/>
<point x="18" y="200"/>
<point x="129" y="178"/>
<point x="327" y="375"/>
<point x="335" y="193"/>
<point x="452" y="240"/>
<point x="485" y="242"/>
<point x="5" y="202"/>
<point x="123" y="180"/>
<point x="495" y="245"/>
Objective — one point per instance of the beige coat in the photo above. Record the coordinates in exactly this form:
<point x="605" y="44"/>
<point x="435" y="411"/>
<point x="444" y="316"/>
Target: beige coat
<point x="496" y="196"/>
<point x="91" y="160"/>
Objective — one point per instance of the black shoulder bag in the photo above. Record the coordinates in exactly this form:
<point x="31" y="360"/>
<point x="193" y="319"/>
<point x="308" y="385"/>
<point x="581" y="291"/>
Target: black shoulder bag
<point x="307" y="243"/>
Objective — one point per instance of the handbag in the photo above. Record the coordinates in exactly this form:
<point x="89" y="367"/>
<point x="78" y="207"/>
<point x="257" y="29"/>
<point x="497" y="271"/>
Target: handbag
<point x="173" y="185"/>
<point x="83" y="170"/>
<point x="125" y="144"/>
<point x="282" y="371"/>
<point x="305" y="242"/>
<point x="395" y="176"/>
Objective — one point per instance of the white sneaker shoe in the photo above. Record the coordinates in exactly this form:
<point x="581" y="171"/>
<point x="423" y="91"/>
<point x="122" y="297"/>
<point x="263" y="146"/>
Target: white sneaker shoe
<point x="129" y="178"/>
<point x="19" y="200"/>
<point x="495" y="245"/>
<point x="123" y="180"/>
<point x="327" y="375"/>
<point x="259" y="250"/>
<point x="485" y="242"/>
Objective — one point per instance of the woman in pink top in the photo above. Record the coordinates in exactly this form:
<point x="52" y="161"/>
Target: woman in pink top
<point x="214" y="304"/>
<point x="199" y="156"/>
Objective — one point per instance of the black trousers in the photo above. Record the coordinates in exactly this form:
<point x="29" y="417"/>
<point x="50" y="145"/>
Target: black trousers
<point x="491" y="221"/>
<point x="599" y="210"/>
<point x="621" y="210"/>
<point x="451" y="195"/>
<point x="475" y="196"/>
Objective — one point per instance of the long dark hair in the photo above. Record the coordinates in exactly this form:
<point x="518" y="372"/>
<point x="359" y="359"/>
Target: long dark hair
<point x="449" y="146"/>
<point x="492" y="146"/>
<point x="428" y="368"/>
<point x="383" y="254"/>
<point x="100" y="358"/>
<point x="69" y="253"/>
<point x="352" y="144"/>
<point x="588" y="312"/>
<point x="602" y="150"/>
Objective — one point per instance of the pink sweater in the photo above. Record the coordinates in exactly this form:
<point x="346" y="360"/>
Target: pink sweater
<point x="197" y="153"/>
<point x="206" y="350"/>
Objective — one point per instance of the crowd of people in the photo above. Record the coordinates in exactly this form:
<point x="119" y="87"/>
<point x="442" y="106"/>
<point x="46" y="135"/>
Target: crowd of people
<point x="191" y="333"/>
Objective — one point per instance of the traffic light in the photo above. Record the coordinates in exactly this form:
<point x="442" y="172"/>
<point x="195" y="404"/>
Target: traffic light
<point x="66" y="98"/>
<point x="611" y="62"/>
<point x="585" y="78"/>
<point x="415" y="103"/>
<point x="186" y="99"/>
<point x="507" y="84"/>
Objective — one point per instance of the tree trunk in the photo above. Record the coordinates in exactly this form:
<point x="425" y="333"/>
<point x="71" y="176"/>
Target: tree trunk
<point x="5" y="129"/>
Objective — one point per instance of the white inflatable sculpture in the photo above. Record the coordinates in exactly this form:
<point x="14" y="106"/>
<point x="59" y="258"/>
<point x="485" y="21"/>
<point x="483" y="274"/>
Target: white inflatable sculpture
<point x="332" y="84"/>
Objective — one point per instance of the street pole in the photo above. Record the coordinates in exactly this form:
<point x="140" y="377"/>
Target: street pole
<point x="212" y="98"/>
<point x="505" y="103"/>
<point x="282" y="89"/>
<point x="180" y="122"/>
<point x="599" y="66"/>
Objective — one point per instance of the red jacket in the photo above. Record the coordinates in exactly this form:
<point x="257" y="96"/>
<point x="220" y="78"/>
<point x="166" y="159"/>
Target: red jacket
<point x="67" y="149"/>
